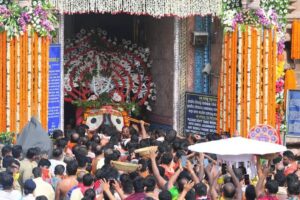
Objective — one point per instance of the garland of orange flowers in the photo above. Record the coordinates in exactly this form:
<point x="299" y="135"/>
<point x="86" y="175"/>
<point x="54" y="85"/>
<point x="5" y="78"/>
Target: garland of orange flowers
<point x="2" y="101"/>
<point x="12" y="85"/>
<point x="233" y="81"/>
<point x="4" y="59"/>
<point x="43" y="79"/>
<point x="295" y="50"/>
<point x="253" y="77"/>
<point x="229" y="85"/>
<point x="270" y="70"/>
<point x="44" y="74"/>
<point x="242" y="83"/>
<point x="245" y="58"/>
<point x="263" y="53"/>
<point x="26" y="50"/>
<point x="14" y="103"/>
<point x="226" y="82"/>
<point x="251" y="97"/>
<point x="21" y="59"/>
<point x="34" y="87"/>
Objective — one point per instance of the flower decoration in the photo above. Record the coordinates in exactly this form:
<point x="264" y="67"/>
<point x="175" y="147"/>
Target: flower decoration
<point x="281" y="45"/>
<point x="279" y="91"/>
<point x="97" y="65"/>
<point x="279" y="6"/>
<point x="280" y="70"/>
<point x="231" y="4"/>
<point x="14" y="19"/>
<point x="229" y="21"/>
<point x="272" y="13"/>
<point x="249" y="17"/>
<point x="266" y="19"/>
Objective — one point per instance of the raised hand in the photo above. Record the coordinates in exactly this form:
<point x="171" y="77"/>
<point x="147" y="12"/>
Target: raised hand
<point x="105" y="185"/>
<point x="188" y="186"/>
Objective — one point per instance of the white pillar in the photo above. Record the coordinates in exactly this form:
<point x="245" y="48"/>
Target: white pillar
<point x="176" y="75"/>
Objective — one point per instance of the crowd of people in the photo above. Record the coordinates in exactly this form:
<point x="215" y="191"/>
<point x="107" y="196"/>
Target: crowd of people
<point x="80" y="168"/>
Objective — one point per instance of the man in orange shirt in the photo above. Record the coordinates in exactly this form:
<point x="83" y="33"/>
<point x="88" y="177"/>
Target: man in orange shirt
<point x="289" y="163"/>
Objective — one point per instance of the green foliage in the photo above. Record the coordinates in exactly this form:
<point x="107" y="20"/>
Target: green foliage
<point x="105" y="100"/>
<point x="7" y="137"/>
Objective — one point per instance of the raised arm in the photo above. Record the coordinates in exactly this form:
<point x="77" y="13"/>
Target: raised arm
<point x="259" y="189"/>
<point x="143" y="130"/>
<point x="239" y="192"/>
<point x="119" y="189"/>
<point x="161" y="182"/>
<point x="200" y="173"/>
<point x="173" y="178"/>
<point x="187" y="187"/>
<point x="213" y="186"/>
<point x="106" y="189"/>
<point x="190" y="169"/>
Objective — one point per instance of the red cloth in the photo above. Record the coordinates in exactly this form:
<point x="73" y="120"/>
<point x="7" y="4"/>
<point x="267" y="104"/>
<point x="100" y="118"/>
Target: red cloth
<point x="70" y="145"/>
<point x="136" y="196"/>
<point x="169" y="171"/>
<point x="291" y="168"/>
<point x="46" y="174"/>
<point x="268" y="198"/>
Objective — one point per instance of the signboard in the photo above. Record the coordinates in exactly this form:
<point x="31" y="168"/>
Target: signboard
<point x="200" y="113"/>
<point x="293" y="113"/>
<point x="54" y="98"/>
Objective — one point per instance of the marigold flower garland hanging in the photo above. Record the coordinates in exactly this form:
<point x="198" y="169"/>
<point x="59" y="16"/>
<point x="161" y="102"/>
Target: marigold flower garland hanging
<point x="24" y="40"/>
<point x="256" y="80"/>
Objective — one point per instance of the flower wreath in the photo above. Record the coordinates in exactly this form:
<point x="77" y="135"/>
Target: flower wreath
<point x="102" y="71"/>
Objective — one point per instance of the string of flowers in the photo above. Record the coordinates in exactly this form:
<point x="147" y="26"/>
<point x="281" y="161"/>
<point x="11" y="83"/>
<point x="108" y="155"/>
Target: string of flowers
<point x="40" y="15"/>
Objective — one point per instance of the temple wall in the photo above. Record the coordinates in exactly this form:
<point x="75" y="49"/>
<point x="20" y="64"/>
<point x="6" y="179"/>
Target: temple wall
<point x="216" y="53"/>
<point x="159" y="35"/>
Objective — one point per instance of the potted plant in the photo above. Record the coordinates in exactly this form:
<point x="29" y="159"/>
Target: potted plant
<point x="7" y="138"/>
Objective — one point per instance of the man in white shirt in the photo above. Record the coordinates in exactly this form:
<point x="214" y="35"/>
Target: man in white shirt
<point x="57" y="157"/>
<point x="7" y="192"/>
<point x="42" y="187"/>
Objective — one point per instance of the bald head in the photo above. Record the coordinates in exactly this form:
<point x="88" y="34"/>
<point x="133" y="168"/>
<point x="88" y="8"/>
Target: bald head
<point x="228" y="190"/>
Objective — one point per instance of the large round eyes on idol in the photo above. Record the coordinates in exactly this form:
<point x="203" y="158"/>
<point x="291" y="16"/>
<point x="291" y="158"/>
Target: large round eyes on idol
<point x="94" y="122"/>
<point x="117" y="121"/>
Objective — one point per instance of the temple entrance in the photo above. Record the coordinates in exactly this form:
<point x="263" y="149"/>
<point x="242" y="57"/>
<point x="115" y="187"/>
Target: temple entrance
<point x="147" y="33"/>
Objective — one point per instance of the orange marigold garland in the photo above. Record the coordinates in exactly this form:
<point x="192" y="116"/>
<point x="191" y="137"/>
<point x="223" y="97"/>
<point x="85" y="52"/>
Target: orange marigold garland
<point x="253" y="78"/>
<point x="295" y="49"/>
<point x="2" y="101"/>
<point x="4" y="70"/>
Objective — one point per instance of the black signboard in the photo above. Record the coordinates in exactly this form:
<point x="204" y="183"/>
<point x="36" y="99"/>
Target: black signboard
<point x="200" y="113"/>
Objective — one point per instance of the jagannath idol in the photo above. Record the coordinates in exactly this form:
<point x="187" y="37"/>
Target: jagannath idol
<point x="107" y="79"/>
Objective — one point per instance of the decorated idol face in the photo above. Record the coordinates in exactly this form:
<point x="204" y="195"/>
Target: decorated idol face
<point x="106" y="115"/>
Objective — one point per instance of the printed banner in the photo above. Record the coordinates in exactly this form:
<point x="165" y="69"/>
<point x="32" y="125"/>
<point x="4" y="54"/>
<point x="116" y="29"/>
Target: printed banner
<point x="200" y="113"/>
<point x="54" y="105"/>
<point x="293" y="113"/>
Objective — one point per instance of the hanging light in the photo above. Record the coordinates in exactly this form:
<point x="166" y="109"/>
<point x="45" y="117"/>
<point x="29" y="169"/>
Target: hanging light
<point x="254" y="5"/>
